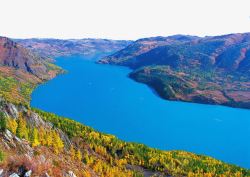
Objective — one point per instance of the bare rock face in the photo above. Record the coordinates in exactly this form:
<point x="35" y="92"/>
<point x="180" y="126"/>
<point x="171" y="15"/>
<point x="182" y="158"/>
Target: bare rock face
<point x="11" y="111"/>
<point x="11" y="141"/>
<point x="46" y="175"/>
<point x="28" y="173"/>
<point x="1" y="172"/>
<point x="37" y="121"/>
<point x="70" y="174"/>
<point x="14" y="175"/>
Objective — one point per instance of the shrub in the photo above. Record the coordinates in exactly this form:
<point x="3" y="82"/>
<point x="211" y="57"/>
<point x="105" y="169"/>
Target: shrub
<point x="2" y="155"/>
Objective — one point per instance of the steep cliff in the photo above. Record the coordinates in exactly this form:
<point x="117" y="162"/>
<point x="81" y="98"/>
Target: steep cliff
<point x="16" y="56"/>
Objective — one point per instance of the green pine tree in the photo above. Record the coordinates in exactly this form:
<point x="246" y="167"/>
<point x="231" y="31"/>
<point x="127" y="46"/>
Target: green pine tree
<point x="3" y="122"/>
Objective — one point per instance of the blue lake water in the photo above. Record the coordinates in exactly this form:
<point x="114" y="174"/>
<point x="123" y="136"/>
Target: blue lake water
<point x="103" y="97"/>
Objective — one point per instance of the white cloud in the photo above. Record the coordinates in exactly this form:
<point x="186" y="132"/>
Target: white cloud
<point x="122" y="19"/>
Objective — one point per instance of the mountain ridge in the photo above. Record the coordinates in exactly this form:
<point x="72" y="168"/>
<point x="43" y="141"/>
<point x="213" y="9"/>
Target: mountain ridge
<point x="64" y="47"/>
<point x="214" y="69"/>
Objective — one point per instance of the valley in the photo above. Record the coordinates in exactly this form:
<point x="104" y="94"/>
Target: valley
<point x="44" y="144"/>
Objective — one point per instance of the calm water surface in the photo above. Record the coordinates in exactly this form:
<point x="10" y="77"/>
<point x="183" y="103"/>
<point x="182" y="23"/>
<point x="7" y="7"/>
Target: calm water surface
<point x="103" y="97"/>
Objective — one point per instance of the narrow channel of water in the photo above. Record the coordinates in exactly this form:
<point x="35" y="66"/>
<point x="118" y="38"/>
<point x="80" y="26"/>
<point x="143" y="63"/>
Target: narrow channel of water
<point x="104" y="98"/>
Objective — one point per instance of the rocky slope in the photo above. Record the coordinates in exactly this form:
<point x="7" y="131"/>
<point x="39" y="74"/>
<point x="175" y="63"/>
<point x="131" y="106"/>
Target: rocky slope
<point x="86" y="47"/>
<point x="22" y="158"/>
<point x="16" y="56"/>
<point x="212" y="70"/>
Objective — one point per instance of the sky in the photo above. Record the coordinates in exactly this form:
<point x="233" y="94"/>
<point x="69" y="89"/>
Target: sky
<point x="122" y="19"/>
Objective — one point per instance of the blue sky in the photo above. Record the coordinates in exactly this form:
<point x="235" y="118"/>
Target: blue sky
<point x="122" y="19"/>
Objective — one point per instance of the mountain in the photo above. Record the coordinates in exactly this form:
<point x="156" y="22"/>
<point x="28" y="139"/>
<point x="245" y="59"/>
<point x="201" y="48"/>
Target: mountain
<point x="16" y="56"/>
<point x="21" y="70"/>
<point x="127" y="55"/>
<point x="228" y="52"/>
<point x="86" y="47"/>
<point x="213" y="69"/>
<point x="38" y="143"/>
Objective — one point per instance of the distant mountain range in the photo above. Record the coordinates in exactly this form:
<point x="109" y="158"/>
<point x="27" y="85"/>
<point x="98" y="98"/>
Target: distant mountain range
<point x="85" y="47"/>
<point x="213" y="69"/>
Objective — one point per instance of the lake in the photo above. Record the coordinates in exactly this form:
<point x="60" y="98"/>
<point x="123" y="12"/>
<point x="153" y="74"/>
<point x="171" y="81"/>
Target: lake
<point x="103" y="97"/>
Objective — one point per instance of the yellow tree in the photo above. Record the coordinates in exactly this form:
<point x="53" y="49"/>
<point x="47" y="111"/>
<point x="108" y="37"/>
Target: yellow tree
<point x="57" y="142"/>
<point x="79" y="155"/>
<point x="49" y="138"/>
<point x="22" y="131"/>
<point x="34" y="137"/>
<point x="12" y="125"/>
<point x="72" y="152"/>
<point x="86" y="174"/>
<point x="42" y="136"/>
